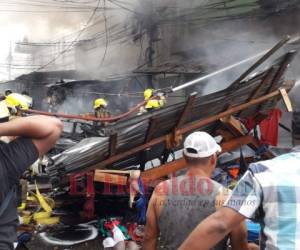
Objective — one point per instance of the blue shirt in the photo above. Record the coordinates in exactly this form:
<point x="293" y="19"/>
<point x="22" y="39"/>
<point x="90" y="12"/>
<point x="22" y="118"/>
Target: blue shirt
<point x="269" y="193"/>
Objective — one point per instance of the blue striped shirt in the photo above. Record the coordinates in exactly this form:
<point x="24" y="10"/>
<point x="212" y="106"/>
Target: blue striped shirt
<point x="269" y="193"/>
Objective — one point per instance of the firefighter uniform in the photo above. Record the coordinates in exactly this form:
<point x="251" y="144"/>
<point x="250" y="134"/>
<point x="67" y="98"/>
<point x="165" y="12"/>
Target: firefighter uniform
<point x="100" y="108"/>
<point x="16" y="100"/>
<point x="28" y="98"/>
<point x="153" y="103"/>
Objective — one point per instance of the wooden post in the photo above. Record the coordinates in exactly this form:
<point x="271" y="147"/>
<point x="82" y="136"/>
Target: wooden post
<point x="286" y="100"/>
<point x="113" y="140"/>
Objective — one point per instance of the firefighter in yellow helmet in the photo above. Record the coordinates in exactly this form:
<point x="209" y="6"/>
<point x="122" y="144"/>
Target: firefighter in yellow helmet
<point x="15" y="102"/>
<point x="153" y="103"/>
<point x="100" y="108"/>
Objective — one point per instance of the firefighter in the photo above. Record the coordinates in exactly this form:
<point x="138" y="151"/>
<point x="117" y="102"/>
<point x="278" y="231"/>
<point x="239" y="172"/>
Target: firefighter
<point x="15" y="102"/>
<point x="100" y="108"/>
<point x="153" y="103"/>
<point x="8" y="92"/>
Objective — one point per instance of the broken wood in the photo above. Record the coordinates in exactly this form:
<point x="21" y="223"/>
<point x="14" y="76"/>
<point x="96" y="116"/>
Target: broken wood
<point x="112" y="171"/>
<point x="234" y="126"/>
<point x="185" y="129"/>
<point x="231" y="111"/>
<point x="283" y="67"/>
<point x="113" y="140"/>
<point x="174" y="166"/>
<point x="114" y="179"/>
<point x="262" y="59"/>
<point x="286" y="100"/>
<point x="265" y="81"/>
<point x="186" y="111"/>
<point x="175" y="140"/>
<point x="151" y="129"/>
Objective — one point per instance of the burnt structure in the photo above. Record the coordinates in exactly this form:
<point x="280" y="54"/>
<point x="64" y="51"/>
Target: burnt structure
<point x="156" y="135"/>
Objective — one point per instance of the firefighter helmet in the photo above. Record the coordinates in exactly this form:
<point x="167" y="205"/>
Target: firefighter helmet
<point x="100" y="102"/>
<point x="148" y="93"/>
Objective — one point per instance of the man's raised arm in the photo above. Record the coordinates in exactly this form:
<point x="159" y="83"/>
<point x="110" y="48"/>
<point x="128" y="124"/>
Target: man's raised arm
<point x="44" y="131"/>
<point x="242" y="204"/>
<point x="212" y="230"/>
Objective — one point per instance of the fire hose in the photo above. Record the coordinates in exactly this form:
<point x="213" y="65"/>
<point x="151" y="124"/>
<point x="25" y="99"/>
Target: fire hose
<point x="265" y="55"/>
<point x="88" y="118"/>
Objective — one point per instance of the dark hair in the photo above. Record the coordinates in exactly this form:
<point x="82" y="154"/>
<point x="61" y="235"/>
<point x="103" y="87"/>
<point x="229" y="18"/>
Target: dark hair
<point x="197" y="161"/>
<point x="8" y="92"/>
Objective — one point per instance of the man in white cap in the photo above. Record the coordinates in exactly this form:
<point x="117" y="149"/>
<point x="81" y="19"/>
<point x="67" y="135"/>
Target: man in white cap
<point x="178" y="205"/>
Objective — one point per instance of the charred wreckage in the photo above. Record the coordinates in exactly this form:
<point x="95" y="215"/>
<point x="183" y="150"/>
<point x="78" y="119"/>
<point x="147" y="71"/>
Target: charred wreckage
<point x="96" y="152"/>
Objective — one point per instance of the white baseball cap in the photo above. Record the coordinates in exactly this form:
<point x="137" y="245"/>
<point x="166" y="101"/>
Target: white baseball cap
<point x="200" y="145"/>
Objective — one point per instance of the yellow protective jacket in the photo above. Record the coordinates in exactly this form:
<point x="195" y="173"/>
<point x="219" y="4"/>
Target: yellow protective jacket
<point x="156" y="103"/>
<point x="28" y="100"/>
<point x="102" y="113"/>
<point x="4" y="111"/>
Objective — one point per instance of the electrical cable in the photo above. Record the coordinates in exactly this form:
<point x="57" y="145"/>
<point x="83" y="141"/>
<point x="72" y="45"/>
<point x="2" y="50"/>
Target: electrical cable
<point x="75" y="40"/>
<point x="106" y="34"/>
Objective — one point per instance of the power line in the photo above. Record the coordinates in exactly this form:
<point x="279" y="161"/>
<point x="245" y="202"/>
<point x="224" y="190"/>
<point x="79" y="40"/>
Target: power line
<point x="125" y="8"/>
<point x="47" y="7"/>
<point x="106" y="35"/>
<point x="75" y="40"/>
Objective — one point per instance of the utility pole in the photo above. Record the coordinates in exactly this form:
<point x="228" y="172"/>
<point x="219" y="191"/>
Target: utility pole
<point x="150" y="53"/>
<point x="151" y="30"/>
<point x="9" y="61"/>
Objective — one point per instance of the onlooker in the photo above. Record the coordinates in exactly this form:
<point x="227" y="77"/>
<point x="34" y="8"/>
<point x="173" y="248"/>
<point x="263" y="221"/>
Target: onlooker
<point x="179" y="204"/>
<point x="269" y="193"/>
<point x="35" y="136"/>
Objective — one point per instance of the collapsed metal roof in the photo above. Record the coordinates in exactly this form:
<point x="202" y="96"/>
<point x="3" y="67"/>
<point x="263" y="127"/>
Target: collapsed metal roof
<point x="128" y="142"/>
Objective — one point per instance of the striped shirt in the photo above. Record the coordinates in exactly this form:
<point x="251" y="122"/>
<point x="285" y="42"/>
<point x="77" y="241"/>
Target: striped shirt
<point x="269" y="193"/>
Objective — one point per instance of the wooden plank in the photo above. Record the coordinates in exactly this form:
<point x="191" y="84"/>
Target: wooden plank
<point x="286" y="100"/>
<point x="234" y="127"/>
<point x="114" y="179"/>
<point x="186" y="111"/>
<point x="113" y="140"/>
<point x="270" y="82"/>
<point x="233" y="110"/>
<point x="113" y="171"/>
<point x="151" y="129"/>
<point x="163" y="170"/>
<point x="266" y="81"/>
<point x="262" y="59"/>
<point x="283" y="67"/>
<point x="174" y="166"/>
